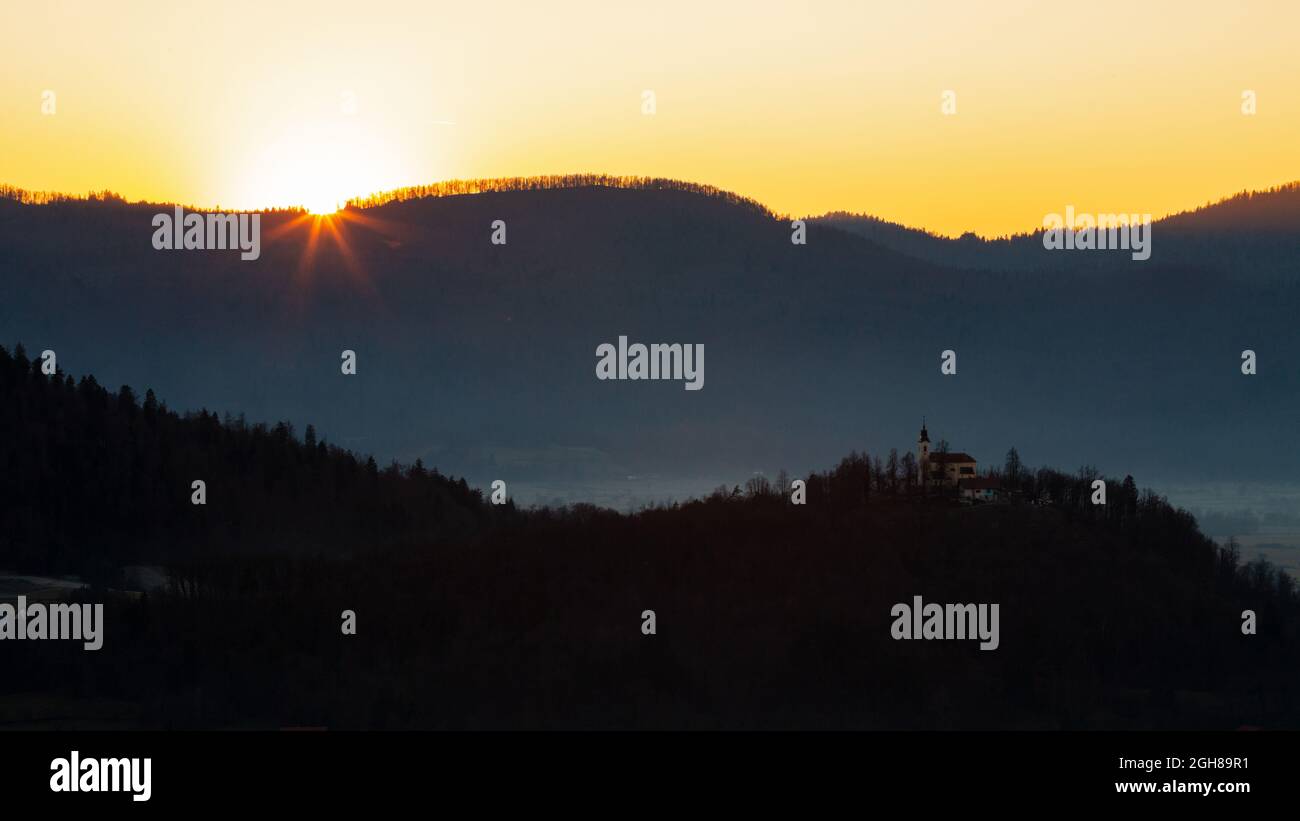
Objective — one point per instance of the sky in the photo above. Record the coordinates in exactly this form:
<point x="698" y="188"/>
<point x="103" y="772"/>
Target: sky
<point x="807" y="107"/>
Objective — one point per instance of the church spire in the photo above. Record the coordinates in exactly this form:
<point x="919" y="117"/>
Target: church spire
<point x="925" y="434"/>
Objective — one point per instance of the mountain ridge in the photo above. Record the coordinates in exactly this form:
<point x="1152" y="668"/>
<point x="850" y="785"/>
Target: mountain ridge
<point x="1230" y="203"/>
<point x="1270" y="217"/>
<point x="467" y="348"/>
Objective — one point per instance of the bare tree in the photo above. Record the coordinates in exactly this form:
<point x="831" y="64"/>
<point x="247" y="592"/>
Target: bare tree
<point x="1013" y="467"/>
<point x="909" y="470"/>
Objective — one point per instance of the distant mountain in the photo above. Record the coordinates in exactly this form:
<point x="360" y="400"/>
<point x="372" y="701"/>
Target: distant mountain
<point x="481" y="358"/>
<point x="1253" y="234"/>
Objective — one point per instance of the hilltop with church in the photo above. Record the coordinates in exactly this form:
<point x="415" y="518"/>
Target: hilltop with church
<point x="944" y="471"/>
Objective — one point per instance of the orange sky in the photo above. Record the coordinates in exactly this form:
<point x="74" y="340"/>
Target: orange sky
<point x="807" y="107"/>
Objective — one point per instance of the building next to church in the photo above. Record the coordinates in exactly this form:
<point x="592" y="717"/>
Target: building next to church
<point x="942" y="469"/>
<point x="986" y="489"/>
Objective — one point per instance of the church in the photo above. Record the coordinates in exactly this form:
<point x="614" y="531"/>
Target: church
<point x="942" y="469"/>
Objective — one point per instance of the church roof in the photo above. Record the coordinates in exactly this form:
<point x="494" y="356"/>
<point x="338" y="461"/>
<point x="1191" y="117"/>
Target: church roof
<point x="951" y="457"/>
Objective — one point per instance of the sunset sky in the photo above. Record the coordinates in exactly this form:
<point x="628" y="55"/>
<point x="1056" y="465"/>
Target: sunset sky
<point x="807" y="107"/>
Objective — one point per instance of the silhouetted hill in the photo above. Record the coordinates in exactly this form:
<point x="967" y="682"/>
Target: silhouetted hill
<point x="768" y="614"/>
<point x="481" y="358"/>
<point x="92" y="480"/>
<point x="1252" y="235"/>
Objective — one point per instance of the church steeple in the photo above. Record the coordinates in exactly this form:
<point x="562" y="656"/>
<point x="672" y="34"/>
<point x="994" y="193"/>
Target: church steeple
<point x="923" y="453"/>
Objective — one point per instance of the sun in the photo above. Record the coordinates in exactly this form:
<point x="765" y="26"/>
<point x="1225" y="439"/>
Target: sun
<point x="317" y="167"/>
<point x="322" y="206"/>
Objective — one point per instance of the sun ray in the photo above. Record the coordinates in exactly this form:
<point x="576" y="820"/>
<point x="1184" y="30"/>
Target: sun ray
<point x="388" y="229"/>
<point x="288" y="226"/>
<point x="356" y="270"/>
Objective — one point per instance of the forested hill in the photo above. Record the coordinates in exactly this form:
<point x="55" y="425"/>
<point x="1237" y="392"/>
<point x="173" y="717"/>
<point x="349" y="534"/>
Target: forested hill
<point x="481" y="357"/>
<point x="769" y="613"/>
<point x="93" y="479"/>
<point x="1252" y="236"/>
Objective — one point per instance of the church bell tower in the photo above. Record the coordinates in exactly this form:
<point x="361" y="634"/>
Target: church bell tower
<point x="923" y="453"/>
